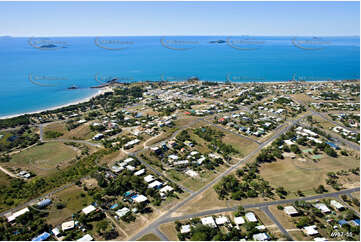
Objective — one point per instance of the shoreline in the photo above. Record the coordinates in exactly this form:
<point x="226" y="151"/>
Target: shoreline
<point x="83" y="100"/>
<point x="109" y="89"/>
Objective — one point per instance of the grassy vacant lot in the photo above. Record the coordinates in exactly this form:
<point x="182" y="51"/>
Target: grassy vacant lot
<point x="169" y="230"/>
<point x="243" y="145"/>
<point x="149" y="237"/>
<point x="74" y="199"/>
<point x="295" y="175"/>
<point x="82" y="132"/>
<point x="43" y="157"/>
<point x="4" y="179"/>
<point x="303" y="98"/>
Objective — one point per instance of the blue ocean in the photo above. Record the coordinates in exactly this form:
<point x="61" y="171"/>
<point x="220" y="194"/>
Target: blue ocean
<point x="36" y="73"/>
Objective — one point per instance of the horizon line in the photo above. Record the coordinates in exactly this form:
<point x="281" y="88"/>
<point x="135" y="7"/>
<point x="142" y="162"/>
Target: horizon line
<point x="40" y="36"/>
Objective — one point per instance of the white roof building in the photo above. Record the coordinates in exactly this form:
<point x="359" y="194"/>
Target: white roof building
<point x="166" y="189"/>
<point x="260" y="237"/>
<point x="67" y="225"/>
<point x="289" y="142"/>
<point x="261" y="227"/>
<point x="208" y="221"/>
<point x="336" y="205"/>
<point x="155" y="184"/>
<point x="310" y="230"/>
<point x="86" y="237"/>
<point x="251" y="217"/>
<point x="239" y="220"/>
<point x="130" y="168"/>
<point x="191" y="173"/>
<point x="128" y="160"/>
<point x="320" y="239"/>
<point x="185" y="229"/>
<point x="122" y="212"/>
<point x="222" y="220"/>
<point x="290" y="210"/>
<point x="322" y="207"/>
<point x="55" y="231"/>
<point x="140" y="172"/>
<point x="173" y="157"/>
<point x="140" y="198"/>
<point x="148" y="178"/>
<point x="13" y="216"/>
<point x="88" y="209"/>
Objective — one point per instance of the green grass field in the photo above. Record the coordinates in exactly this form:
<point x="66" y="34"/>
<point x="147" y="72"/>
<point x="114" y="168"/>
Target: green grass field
<point x="45" y="156"/>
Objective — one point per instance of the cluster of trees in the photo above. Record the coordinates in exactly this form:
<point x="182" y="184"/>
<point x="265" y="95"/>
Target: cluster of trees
<point x="215" y="138"/>
<point x="51" y="134"/>
<point x="20" y="138"/>
<point x="26" y="227"/>
<point x="13" y="122"/>
<point x="134" y="91"/>
<point x="283" y="100"/>
<point x="248" y="184"/>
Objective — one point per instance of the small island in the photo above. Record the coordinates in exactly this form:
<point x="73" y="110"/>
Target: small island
<point x="217" y="41"/>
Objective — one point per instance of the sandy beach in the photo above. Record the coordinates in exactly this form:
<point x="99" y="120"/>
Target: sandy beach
<point x="100" y="92"/>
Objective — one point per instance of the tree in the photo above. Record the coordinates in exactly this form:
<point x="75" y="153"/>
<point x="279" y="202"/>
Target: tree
<point x="330" y="151"/>
<point x="320" y="189"/>
<point x="240" y="211"/>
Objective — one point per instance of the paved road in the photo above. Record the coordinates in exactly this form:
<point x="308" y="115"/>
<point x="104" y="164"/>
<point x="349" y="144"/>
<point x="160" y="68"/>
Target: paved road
<point x="8" y="172"/>
<point x="41" y="126"/>
<point x="75" y="141"/>
<point x="258" y="205"/>
<point x="280" y="130"/>
<point x="275" y="221"/>
<point x="162" y="236"/>
<point x="322" y="115"/>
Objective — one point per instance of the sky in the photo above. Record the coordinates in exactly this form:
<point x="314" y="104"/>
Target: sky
<point x="179" y="18"/>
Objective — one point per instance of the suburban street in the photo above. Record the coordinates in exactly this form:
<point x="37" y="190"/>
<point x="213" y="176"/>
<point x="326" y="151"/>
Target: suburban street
<point x="153" y="227"/>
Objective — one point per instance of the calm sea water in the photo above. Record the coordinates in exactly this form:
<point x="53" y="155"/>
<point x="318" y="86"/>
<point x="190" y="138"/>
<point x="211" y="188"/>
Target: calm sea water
<point x="35" y="73"/>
